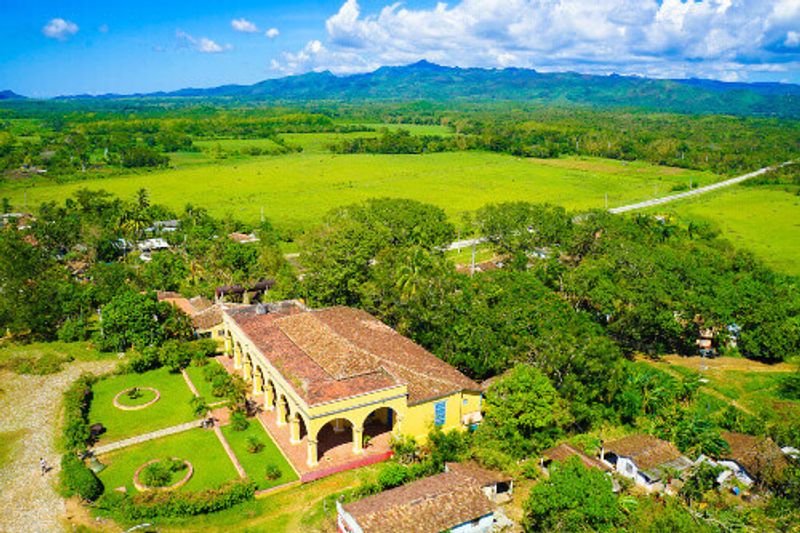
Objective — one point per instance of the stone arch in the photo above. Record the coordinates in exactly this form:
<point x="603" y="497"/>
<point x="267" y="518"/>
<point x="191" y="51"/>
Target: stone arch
<point x="336" y="437"/>
<point x="380" y="421"/>
<point x="282" y="409"/>
<point x="270" y="394"/>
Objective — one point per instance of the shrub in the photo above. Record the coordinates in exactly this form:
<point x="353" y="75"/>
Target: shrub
<point x="254" y="444"/>
<point x="73" y="330"/>
<point x="272" y="472"/>
<point x="144" y="361"/>
<point x="199" y="406"/>
<point x="77" y="399"/>
<point x="239" y="421"/>
<point x="160" y="474"/>
<point x="76" y="478"/>
<point x="393" y="475"/>
<point x="154" y="504"/>
<point x="175" y="355"/>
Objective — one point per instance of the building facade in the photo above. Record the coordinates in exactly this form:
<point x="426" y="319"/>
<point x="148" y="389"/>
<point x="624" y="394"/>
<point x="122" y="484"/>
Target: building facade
<point x="339" y="372"/>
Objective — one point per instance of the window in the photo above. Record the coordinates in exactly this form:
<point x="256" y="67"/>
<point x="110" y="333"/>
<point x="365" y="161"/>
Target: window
<point x="439" y="413"/>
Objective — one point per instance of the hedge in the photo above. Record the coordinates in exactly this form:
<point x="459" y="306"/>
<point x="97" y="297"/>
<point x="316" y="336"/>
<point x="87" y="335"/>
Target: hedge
<point x="155" y="504"/>
<point x="76" y="478"/>
<point x="77" y="400"/>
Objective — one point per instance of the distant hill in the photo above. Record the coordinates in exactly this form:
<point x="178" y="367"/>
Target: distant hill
<point x="427" y="81"/>
<point x="10" y="95"/>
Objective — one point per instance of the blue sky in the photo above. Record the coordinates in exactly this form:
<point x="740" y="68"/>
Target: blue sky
<point x="56" y="47"/>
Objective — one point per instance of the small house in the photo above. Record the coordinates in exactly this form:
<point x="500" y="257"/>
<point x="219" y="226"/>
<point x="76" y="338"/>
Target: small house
<point x="206" y="316"/>
<point x="498" y="487"/>
<point x="645" y="459"/>
<point x="751" y="458"/>
<point x="243" y="238"/>
<point x="565" y="451"/>
<point x="448" y="501"/>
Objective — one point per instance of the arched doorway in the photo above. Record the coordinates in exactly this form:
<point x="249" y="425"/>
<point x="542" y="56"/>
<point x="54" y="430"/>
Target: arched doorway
<point x="283" y="414"/>
<point x="380" y="423"/>
<point x="335" y="438"/>
<point x="270" y="401"/>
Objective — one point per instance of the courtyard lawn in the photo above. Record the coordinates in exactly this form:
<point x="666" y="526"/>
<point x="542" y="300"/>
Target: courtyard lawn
<point x="296" y="190"/>
<point x="765" y="220"/>
<point x="212" y="466"/>
<point x="307" y="507"/>
<point x="171" y="409"/>
<point x="197" y="375"/>
<point x="255" y="463"/>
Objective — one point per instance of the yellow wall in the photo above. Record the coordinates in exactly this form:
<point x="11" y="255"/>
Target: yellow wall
<point x="419" y="420"/>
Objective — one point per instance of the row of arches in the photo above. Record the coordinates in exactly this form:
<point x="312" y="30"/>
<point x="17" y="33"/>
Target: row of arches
<point x="336" y="438"/>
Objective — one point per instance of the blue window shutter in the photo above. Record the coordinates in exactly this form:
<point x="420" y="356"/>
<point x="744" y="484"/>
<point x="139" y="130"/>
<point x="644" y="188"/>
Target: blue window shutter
<point x="440" y="413"/>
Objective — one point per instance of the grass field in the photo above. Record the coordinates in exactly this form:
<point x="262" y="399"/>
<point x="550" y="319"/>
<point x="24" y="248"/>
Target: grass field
<point x="762" y="219"/>
<point x="171" y="409"/>
<point x="296" y="190"/>
<point x="255" y="463"/>
<point x="212" y="467"/>
<point x="45" y="357"/>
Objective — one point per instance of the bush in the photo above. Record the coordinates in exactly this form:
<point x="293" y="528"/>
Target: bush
<point x="73" y="330"/>
<point x="199" y="406"/>
<point x="254" y="444"/>
<point x="175" y="355"/>
<point x="272" y="472"/>
<point x="141" y="362"/>
<point x="160" y="474"/>
<point x="154" y="504"/>
<point x="77" y="399"/>
<point x="76" y="478"/>
<point x="239" y="421"/>
<point x="393" y="475"/>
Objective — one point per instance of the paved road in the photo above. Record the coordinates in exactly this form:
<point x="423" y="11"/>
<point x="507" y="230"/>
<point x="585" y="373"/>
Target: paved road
<point x="694" y="192"/>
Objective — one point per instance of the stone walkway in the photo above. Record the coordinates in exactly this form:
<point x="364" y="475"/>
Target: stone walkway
<point x="180" y="428"/>
<point x="30" y="405"/>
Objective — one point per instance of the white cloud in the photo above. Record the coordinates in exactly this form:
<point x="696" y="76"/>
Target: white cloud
<point x="60" y="29"/>
<point x="724" y="39"/>
<point x="203" y="44"/>
<point x="243" y="25"/>
<point x="272" y="33"/>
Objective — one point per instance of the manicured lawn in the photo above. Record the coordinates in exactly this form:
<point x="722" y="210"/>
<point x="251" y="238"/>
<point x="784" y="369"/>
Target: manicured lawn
<point x="212" y="467"/>
<point x="255" y="463"/>
<point x="171" y="409"/>
<point x="296" y="190"/>
<point x="45" y="357"/>
<point x="297" y="510"/>
<point x="765" y="220"/>
<point x="197" y="375"/>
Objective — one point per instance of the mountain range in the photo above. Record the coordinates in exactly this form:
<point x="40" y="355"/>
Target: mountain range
<point x="427" y="81"/>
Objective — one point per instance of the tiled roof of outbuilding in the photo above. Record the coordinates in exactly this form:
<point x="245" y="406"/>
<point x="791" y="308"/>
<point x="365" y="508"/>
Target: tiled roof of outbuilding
<point x="758" y="455"/>
<point x="429" y="505"/>
<point x="646" y="451"/>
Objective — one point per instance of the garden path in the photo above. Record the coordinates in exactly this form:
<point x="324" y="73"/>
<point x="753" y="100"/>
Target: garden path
<point x="111" y="446"/>
<point x="30" y="405"/>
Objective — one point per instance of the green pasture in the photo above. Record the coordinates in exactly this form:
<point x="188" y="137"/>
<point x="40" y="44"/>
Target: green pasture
<point x="171" y="409"/>
<point x="255" y="463"/>
<point x="212" y="466"/>
<point x="45" y="357"/>
<point x="296" y="190"/>
<point x="765" y="220"/>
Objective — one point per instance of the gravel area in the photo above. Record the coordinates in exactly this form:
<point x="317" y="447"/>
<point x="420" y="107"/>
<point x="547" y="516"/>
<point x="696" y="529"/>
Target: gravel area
<point x="31" y="404"/>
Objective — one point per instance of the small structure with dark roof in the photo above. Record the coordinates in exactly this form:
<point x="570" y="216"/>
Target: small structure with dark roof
<point x="645" y="459"/>
<point x="565" y="451"/>
<point x="751" y="458"/>
<point x="206" y="316"/>
<point x="445" y="502"/>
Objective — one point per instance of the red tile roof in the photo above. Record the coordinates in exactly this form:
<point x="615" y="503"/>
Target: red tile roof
<point x="760" y="456"/>
<point x="429" y="505"/>
<point x="646" y="451"/>
<point x="564" y="451"/>
<point x="339" y="352"/>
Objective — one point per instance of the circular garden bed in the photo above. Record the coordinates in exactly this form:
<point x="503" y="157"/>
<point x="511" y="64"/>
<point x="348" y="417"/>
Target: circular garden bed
<point x="163" y="474"/>
<point x="135" y="398"/>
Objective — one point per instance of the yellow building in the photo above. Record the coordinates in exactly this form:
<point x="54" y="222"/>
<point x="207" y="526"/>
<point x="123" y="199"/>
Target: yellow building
<point x="340" y="371"/>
